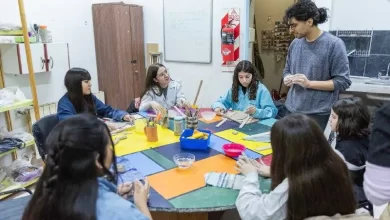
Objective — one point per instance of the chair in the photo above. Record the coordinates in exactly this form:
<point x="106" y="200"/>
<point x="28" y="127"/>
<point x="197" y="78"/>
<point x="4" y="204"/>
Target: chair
<point x="134" y="105"/>
<point x="41" y="129"/>
<point x="358" y="190"/>
<point x="12" y="209"/>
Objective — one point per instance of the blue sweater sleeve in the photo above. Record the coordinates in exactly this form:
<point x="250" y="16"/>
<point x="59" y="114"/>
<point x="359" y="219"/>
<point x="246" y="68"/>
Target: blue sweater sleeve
<point x="224" y="102"/>
<point x="265" y="106"/>
<point x="107" y="111"/>
<point x="65" y="109"/>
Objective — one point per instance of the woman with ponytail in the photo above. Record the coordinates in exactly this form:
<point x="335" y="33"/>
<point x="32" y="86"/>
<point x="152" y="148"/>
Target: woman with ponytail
<point x="76" y="182"/>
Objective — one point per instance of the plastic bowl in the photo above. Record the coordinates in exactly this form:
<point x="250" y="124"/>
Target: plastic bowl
<point x="208" y="116"/>
<point x="184" y="160"/>
<point x="233" y="150"/>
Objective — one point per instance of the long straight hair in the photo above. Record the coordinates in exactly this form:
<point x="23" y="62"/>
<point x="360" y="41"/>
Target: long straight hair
<point x="319" y="182"/>
<point x="68" y="187"/>
<point x="73" y="83"/>
<point x="247" y="67"/>
<point x="149" y="82"/>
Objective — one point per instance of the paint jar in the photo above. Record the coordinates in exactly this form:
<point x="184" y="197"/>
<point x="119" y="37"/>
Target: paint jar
<point x="192" y="123"/>
<point x="178" y="125"/>
<point x="151" y="133"/>
<point x="43" y="34"/>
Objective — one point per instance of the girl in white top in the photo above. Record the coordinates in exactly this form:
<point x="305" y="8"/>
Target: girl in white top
<point x="161" y="92"/>
<point x="308" y="177"/>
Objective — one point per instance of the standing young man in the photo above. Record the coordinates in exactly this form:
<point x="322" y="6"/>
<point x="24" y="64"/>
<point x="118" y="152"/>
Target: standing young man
<point x="317" y="68"/>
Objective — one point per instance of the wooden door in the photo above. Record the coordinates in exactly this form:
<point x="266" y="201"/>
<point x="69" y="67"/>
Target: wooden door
<point x="125" y="72"/>
<point x="113" y="50"/>
<point x="138" y="48"/>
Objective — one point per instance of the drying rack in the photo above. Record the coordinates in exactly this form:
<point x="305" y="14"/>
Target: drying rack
<point x="358" y="42"/>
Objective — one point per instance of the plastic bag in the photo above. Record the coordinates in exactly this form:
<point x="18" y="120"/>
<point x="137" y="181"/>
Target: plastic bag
<point x="10" y="95"/>
<point x="9" y="26"/>
<point x="23" y="171"/>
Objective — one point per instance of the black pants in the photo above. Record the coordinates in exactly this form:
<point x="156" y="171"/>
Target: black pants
<point x="322" y="120"/>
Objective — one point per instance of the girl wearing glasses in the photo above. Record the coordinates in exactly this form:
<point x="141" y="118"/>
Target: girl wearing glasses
<point x="161" y="92"/>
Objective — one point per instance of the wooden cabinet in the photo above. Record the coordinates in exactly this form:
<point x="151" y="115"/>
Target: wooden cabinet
<point x="120" y="56"/>
<point x="45" y="57"/>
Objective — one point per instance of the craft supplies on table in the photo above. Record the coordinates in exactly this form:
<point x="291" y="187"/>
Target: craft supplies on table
<point x="224" y="180"/>
<point x="151" y="129"/>
<point x="192" y="123"/>
<point x="184" y="160"/>
<point x="128" y="173"/>
<point x="178" y="125"/>
<point x="119" y="138"/>
<point x="192" y="118"/>
<point x="195" y="139"/>
<point x="233" y="150"/>
<point x="262" y="137"/>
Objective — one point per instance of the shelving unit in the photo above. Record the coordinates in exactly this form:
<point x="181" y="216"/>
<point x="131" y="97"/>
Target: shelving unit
<point x="26" y="144"/>
<point x="358" y="41"/>
<point x="21" y="104"/>
<point x="26" y="103"/>
<point x="16" y="186"/>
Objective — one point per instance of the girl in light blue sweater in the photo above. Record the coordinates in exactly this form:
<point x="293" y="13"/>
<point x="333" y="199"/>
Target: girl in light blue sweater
<point x="247" y="94"/>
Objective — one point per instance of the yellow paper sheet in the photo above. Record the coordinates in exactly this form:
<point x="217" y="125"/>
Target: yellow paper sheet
<point x="239" y="139"/>
<point x="136" y="139"/>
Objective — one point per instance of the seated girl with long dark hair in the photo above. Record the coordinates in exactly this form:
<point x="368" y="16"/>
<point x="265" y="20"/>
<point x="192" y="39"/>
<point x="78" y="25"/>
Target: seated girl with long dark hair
<point x="161" y="92"/>
<point x="76" y="182"/>
<point x="308" y="177"/>
<point x="247" y="94"/>
<point x="79" y="99"/>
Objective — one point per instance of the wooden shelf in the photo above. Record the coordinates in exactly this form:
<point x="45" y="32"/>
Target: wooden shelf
<point x="21" y="104"/>
<point x="17" y="186"/>
<point x="28" y="144"/>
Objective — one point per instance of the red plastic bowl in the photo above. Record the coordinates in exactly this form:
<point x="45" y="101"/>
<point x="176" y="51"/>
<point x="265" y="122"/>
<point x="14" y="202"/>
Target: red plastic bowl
<point x="233" y="150"/>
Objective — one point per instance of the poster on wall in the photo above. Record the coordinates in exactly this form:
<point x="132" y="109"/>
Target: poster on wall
<point x="230" y="39"/>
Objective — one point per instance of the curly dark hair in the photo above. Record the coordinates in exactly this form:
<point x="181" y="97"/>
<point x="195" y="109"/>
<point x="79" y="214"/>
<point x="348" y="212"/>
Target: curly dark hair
<point x="353" y="118"/>
<point x="247" y="67"/>
<point x="304" y="10"/>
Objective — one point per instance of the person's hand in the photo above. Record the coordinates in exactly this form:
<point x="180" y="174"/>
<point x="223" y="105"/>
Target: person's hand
<point x="245" y="166"/>
<point x="157" y="107"/>
<point x="263" y="169"/>
<point x="183" y="103"/>
<point x="141" y="193"/>
<point x="301" y="80"/>
<point x="128" y="118"/>
<point x="219" y="111"/>
<point x="125" y="190"/>
<point x="137" y="103"/>
<point x="288" y="80"/>
<point x="251" y="110"/>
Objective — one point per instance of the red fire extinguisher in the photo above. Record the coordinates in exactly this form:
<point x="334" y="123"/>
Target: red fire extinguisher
<point x="227" y="38"/>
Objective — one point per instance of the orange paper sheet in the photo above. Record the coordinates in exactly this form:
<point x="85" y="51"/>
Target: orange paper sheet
<point x="175" y="182"/>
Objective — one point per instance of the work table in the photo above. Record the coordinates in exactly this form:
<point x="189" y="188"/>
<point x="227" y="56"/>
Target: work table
<point x="359" y="85"/>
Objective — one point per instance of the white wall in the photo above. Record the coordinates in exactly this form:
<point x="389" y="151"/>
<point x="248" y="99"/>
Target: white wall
<point x="71" y="21"/>
<point x="326" y="4"/>
<point x="215" y="82"/>
<point x="360" y="15"/>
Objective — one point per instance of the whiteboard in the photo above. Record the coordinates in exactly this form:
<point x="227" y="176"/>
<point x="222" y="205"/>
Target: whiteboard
<point x="188" y="30"/>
